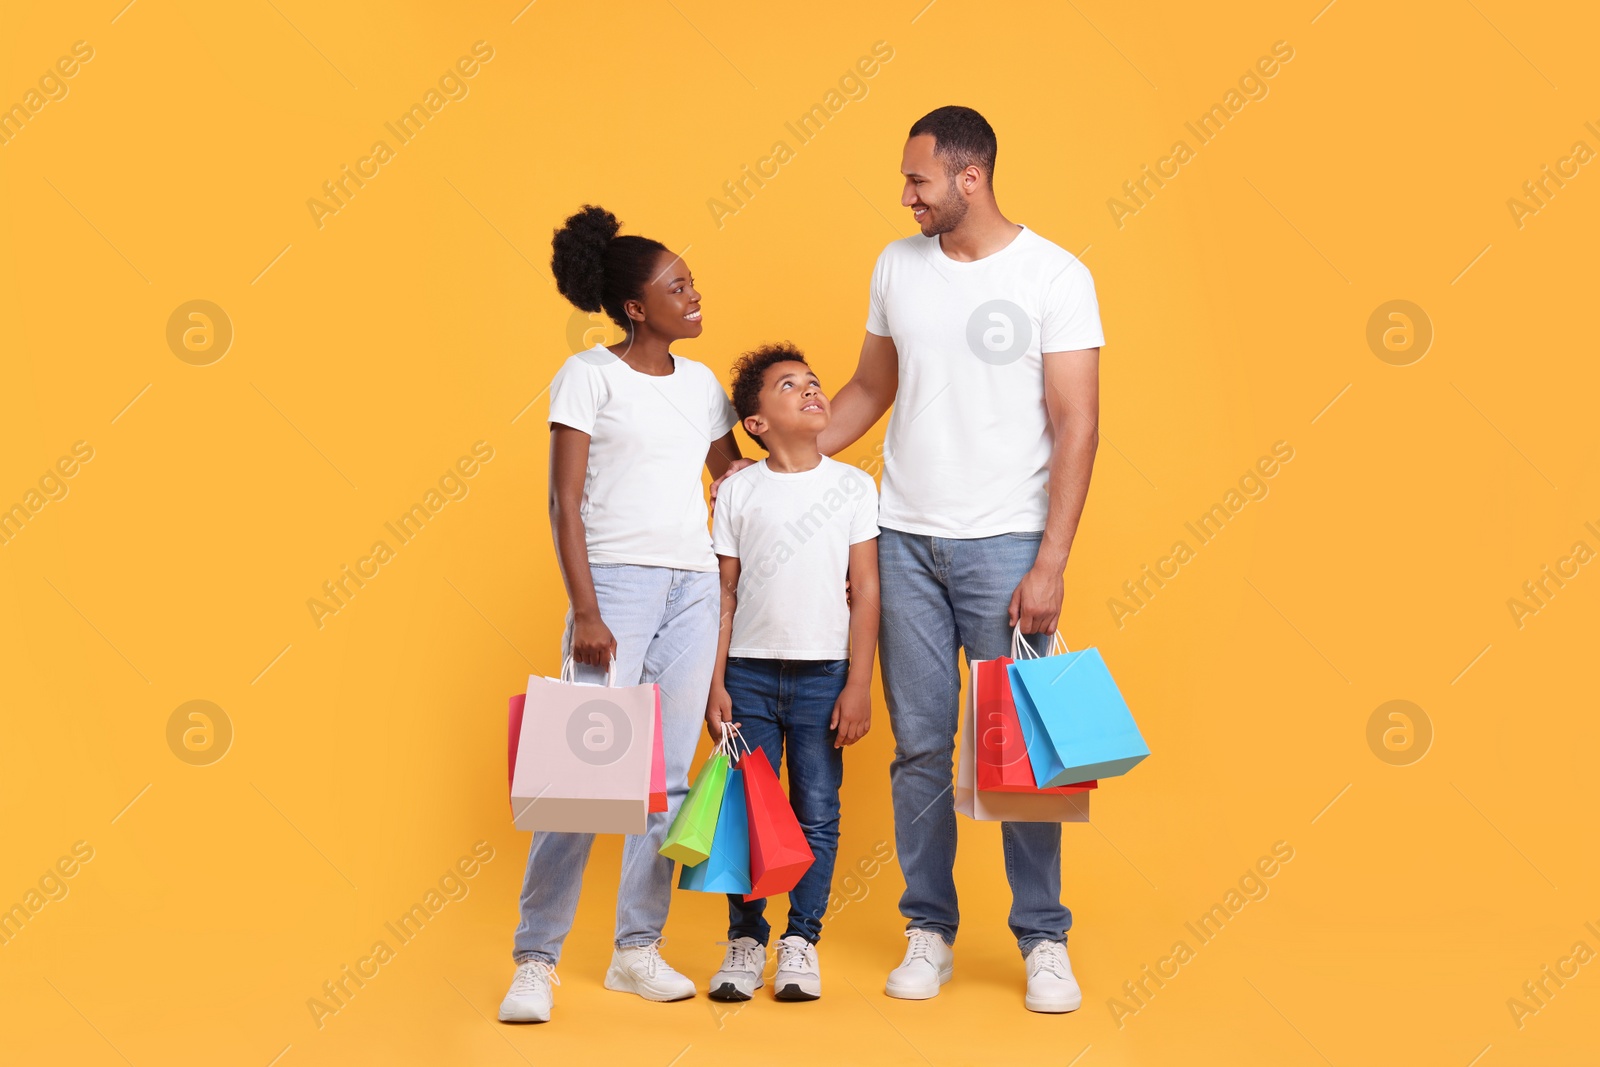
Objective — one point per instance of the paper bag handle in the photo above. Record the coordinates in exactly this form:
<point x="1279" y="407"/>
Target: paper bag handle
<point x="1020" y="649"/>
<point x="569" y="672"/>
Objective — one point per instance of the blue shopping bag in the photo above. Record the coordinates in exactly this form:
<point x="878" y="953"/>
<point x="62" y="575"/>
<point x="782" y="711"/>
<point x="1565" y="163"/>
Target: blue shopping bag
<point x="1074" y="721"/>
<point x="727" y="868"/>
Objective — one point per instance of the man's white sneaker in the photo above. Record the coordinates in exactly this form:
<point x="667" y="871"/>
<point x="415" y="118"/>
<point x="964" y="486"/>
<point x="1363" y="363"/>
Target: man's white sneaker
<point x="640" y="969"/>
<point x="1051" y="986"/>
<point x="528" y="1000"/>
<point x="740" y="975"/>
<point x="928" y="965"/>
<point x="799" y="974"/>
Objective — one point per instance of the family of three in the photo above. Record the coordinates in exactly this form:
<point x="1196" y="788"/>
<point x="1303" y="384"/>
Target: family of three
<point x="984" y="337"/>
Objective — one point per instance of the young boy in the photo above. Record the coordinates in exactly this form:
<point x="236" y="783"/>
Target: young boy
<point x="794" y="659"/>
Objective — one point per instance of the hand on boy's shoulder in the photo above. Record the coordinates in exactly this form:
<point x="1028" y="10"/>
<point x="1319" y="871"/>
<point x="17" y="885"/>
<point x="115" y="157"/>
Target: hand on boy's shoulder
<point x="733" y="468"/>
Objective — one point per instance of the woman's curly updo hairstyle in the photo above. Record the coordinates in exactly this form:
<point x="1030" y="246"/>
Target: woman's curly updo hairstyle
<point x="598" y="270"/>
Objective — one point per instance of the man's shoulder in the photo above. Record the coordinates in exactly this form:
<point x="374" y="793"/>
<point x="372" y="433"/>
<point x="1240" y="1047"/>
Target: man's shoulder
<point x="913" y="248"/>
<point x="1045" y="251"/>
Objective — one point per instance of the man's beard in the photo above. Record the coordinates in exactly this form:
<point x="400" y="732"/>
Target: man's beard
<point x="945" y="216"/>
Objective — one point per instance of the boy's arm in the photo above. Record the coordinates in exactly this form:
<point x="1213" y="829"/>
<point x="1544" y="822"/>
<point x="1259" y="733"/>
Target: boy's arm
<point x="719" y="707"/>
<point x="852" y="712"/>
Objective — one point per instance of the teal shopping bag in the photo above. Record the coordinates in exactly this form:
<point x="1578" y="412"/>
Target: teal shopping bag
<point x="1074" y="721"/>
<point x="727" y="868"/>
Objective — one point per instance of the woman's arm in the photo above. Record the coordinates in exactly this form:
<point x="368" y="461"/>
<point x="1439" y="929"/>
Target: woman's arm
<point x="723" y="451"/>
<point x="592" y="642"/>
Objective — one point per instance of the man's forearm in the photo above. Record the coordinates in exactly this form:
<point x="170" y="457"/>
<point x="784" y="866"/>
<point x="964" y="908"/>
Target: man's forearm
<point x="1071" y="464"/>
<point x="854" y="410"/>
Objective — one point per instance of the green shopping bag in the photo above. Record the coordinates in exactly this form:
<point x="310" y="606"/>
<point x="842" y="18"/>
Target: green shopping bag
<point x="691" y="833"/>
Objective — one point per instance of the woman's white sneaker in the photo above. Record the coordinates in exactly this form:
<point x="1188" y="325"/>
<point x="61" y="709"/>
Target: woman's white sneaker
<point x="799" y="974"/>
<point x="640" y="969"/>
<point x="740" y="975"/>
<point x="528" y="1000"/>
<point x="1051" y="986"/>
<point x="928" y="965"/>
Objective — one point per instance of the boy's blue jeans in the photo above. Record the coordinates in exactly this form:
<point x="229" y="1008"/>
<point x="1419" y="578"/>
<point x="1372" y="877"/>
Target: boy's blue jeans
<point x="777" y="701"/>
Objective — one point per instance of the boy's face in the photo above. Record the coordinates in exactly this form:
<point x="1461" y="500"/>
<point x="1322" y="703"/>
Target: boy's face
<point x="792" y="403"/>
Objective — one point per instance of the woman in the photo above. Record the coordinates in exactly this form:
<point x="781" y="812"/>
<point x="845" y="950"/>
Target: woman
<point x="631" y="426"/>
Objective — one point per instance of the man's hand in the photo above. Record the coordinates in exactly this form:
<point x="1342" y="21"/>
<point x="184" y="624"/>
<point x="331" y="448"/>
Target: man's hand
<point x="719" y="712"/>
<point x="1036" y="605"/>
<point x="733" y="468"/>
<point x="852" y="715"/>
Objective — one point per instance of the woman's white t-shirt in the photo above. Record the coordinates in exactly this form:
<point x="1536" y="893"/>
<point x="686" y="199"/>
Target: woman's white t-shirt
<point x="968" y="448"/>
<point x="643" y="500"/>
<point x="792" y="535"/>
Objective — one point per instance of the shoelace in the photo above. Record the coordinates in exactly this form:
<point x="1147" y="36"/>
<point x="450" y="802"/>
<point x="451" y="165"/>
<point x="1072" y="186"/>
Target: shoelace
<point x="652" y="957"/>
<point x="746" y="957"/>
<point x="1051" y="956"/>
<point x="801" y="958"/>
<point x="921" y="945"/>
<point x="532" y="975"/>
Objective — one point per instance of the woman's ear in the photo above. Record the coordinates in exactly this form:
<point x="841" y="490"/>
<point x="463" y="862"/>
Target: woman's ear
<point x="634" y="309"/>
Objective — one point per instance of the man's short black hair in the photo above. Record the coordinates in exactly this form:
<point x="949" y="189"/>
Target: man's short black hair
<point x="750" y="374"/>
<point x="961" y="137"/>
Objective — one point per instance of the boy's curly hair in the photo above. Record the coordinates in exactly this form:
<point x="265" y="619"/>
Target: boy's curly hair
<point x="750" y="373"/>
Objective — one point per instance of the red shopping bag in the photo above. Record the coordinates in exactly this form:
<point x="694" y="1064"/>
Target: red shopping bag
<point x="658" y="762"/>
<point x="1002" y="751"/>
<point x="779" y="854"/>
<point x="658" y="766"/>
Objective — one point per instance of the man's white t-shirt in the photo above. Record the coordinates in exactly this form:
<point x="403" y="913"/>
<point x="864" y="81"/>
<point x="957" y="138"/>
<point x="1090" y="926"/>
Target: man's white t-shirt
<point x="643" y="500"/>
<point x="969" y="442"/>
<point x="792" y="535"/>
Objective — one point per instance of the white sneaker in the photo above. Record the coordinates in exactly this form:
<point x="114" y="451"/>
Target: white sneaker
<point x="1051" y="986"/>
<point x="528" y="1000"/>
<point x="799" y="975"/>
<point x="640" y="969"/>
<point x="740" y="975"/>
<point x="928" y="965"/>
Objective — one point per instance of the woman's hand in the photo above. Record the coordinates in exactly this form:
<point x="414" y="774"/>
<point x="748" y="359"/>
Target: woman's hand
<point x="719" y="712"/>
<point x="592" y="643"/>
<point x="733" y="468"/>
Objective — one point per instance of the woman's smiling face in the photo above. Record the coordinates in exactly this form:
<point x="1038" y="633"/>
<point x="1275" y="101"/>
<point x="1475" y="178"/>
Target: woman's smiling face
<point x="669" y="303"/>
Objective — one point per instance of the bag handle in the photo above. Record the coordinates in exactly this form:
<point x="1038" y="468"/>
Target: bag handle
<point x="728" y="744"/>
<point x="1020" y="649"/>
<point x="569" y="671"/>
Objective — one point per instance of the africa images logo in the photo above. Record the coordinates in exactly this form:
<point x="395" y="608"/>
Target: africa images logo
<point x="599" y="733"/>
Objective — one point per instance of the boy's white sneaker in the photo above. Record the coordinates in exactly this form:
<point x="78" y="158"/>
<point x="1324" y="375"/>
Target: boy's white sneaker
<point x="740" y="974"/>
<point x="928" y="965"/>
<point x="528" y="1000"/>
<point x="640" y="969"/>
<point x="799" y="974"/>
<point x="1051" y="986"/>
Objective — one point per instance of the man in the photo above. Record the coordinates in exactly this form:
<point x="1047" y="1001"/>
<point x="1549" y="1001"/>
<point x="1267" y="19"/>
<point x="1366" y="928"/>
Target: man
<point x="985" y="337"/>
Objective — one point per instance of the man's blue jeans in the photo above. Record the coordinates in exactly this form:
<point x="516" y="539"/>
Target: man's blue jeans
<point x="777" y="701"/>
<point x="939" y="595"/>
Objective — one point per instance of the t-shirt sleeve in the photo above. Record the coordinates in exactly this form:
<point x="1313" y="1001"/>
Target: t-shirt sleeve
<point x="575" y="395"/>
<point x="725" y="521"/>
<point x="723" y="417"/>
<point x="864" y="523"/>
<point x="877" y="297"/>
<point x="1071" y="313"/>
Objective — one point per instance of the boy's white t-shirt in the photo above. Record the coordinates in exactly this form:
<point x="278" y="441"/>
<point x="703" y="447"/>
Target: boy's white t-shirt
<point x="792" y="535"/>
<point x="969" y="442"/>
<point x="643" y="500"/>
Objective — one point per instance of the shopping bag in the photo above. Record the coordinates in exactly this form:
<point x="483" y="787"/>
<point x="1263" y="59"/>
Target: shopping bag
<point x="690" y="837"/>
<point x="658" y="765"/>
<point x="582" y="758"/>
<point x="779" y="853"/>
<point x="1075" y="722"/>
<point x="1002" y="752"/>
<point x="727" y="869"/>
<point x="658" y="762"/>
<point x="1051" y="805"/>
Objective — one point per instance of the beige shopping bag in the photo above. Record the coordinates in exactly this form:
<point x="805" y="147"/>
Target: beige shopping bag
<point x="985" y="806"/>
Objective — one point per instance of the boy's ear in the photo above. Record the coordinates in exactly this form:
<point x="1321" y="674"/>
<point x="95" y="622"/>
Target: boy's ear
<point x="755" y="425"/>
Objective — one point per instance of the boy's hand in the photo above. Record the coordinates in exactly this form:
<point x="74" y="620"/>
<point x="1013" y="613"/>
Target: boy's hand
<point x="852" y="715"/>
<point x="719" y="712"/>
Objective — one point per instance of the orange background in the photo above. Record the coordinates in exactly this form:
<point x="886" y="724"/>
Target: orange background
<point x="371" y="352"/>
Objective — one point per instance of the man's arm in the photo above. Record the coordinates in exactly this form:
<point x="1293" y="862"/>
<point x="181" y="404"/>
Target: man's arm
<point x="862" y="400"/>
<point x="1072" y="402"/>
